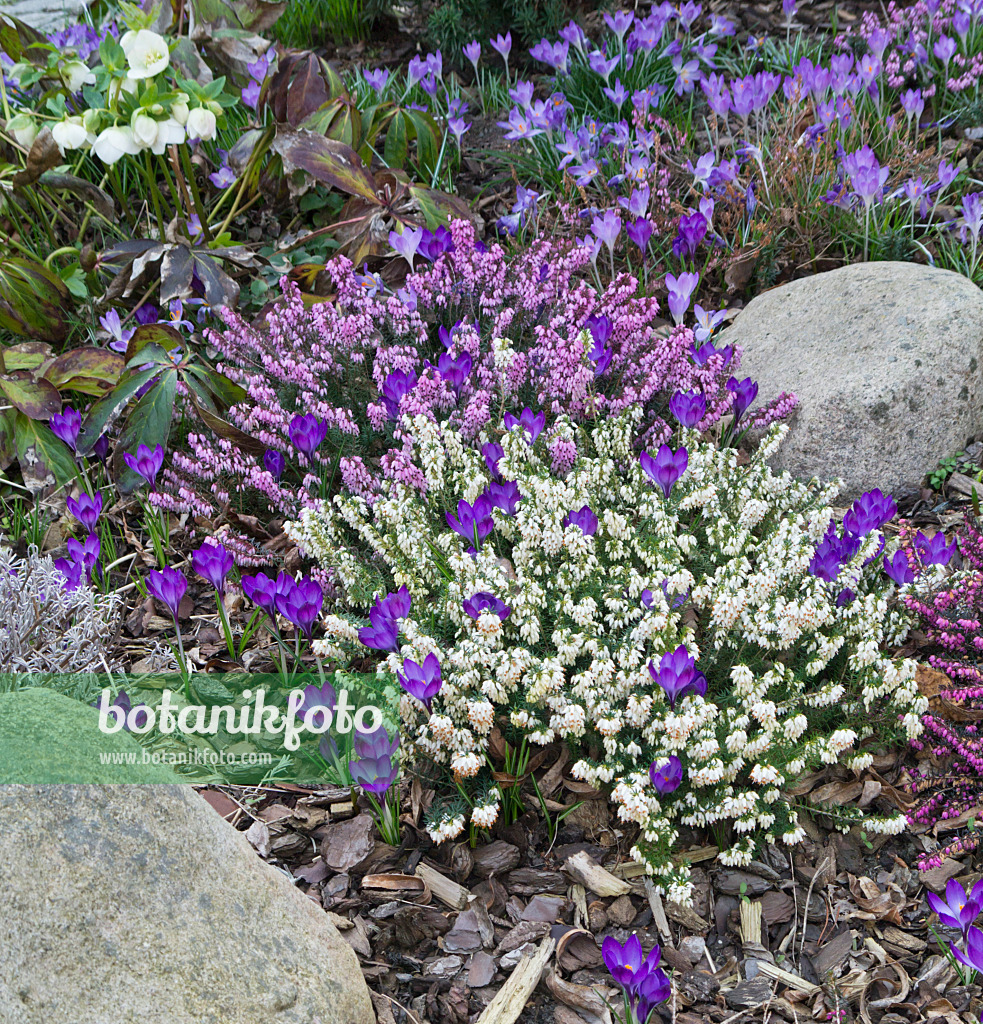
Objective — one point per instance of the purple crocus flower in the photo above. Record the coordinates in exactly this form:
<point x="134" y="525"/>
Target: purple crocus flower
<point x="455" y="369"/>
<point x="482" y="601"/>
<point x="436" y="243"/>
<point x="382" y="634"/>
<point x="584" y="518"/>
<point x="973" y="955"/>
<point x="627" y="964"/>
<point x="472" y="51"/>
<point x="667" y="777"/>
<point x="84" y="554"/>
<point x="299" y="601"/>
<point x="318" y="700"/>
<point x="66" y="426"/>
<point x="261" y="590"/>
<point x="934" y="550"/>
<point x="72" y="572"/>
<point x="869" y="512"/>
<point x="306" y="433"/>
<point x="898" y="569"/>
<point x="503" y="46"/>
<point x="421" y="681"/>
<point x="640" y="231"/>
<point x="212" y="562"/>
<point x="666" y="468"/>
<point x="680" y="293"/>
<point x="689" y="407"/>
<point x="146" y="463"/>
<point x="126" y="706"/>
<point x="492" y="453"/>
<point x="397" y="605"/>
<point x="678" y="676"/>
<point x="505" y="495"/>
<point x="375" y="770"/>
<point x="744" y="392"/>
<point x="473" y="522"/>
<point x="692" y="230"/>
<point x="653" y="989"/>
<point x="607" y="227"/>
<point x="86" y="509"/>
<point x="398" y="384"/>
<point x="867" y="177"/>
<point x="958" y="909"/>
<point x="406" y="242"/>
<point x="168" y="587"/>
<point x="531" y="422"/>
<point x="274" y="463"/>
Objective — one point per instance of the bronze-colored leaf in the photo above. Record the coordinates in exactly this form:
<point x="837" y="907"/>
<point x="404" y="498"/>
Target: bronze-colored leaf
<point x="36" y="399"/>
<point x="327" y="161"/>
<point x="42" y="156"/>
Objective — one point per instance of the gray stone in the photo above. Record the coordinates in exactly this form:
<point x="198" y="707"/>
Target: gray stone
<point x="44" y="15"/>
<point x="46" y="737"/>
<point x="886" y="360"/>
<point x="121" y="905"/>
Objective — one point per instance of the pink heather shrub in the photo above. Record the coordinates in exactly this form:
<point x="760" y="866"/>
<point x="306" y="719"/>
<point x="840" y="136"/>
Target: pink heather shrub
<point x="518" y="320"/>
<point x="952" y="619"/>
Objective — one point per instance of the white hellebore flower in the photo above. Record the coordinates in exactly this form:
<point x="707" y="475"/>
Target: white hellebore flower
<point x="146" y="53"/>
<point x="201" y="124"/>
<point x="144" y="130"/>
<point x="179" y="110"/>
<point x="115" y="142"/>
<point x="70" y="134"/>
<point x="23" y="129"/>
<point x="75" y="74"/>
<point x="169" y="133"/>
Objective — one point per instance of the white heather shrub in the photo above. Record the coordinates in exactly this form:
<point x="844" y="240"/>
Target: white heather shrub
<point x="46" y="629"/>
<point x="794" y="681"/>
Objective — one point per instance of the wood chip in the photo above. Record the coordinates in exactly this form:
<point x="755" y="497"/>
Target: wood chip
<point x="513" y="996"/>
<point x="658" y="911"/>
<point x="750" y="922"/>
<point x="593" y="877"/>
<point x="445" y="889"/>
<point x="787" y="979"/>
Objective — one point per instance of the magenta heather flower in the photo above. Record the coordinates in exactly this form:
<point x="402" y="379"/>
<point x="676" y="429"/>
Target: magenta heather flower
<point x="212" y="562"/>
<point x="482" y="601"/>
<point x="146" y="463"/>
<point x="421" y="681"/>
<point x="168" y="587"/>
<point x="666" y="777"/>
<point x="666" y="468"/>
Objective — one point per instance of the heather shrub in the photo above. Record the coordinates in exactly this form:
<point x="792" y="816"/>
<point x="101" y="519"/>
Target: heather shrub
<point x="694" y="628"/>
<point x="948" y="782"/>
<point x="471" y="335"/>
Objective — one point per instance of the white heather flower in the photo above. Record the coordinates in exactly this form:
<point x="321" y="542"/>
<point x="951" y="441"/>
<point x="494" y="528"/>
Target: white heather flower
<point x="485" y="817"/>
<point x="146" y="53"/>
<point x="466" y="765"/>
<point x="201" y="124"/>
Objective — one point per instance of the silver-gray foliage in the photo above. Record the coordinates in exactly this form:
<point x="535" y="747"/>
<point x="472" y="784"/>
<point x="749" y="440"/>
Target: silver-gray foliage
<point x="46" y="629"/>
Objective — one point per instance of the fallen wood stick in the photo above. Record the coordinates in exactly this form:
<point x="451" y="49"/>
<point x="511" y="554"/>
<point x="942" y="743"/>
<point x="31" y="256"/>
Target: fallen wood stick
<point x="787" y="979"/>
<point x="512" y="997"/>
<point x="593" y="877"/>
<point x="445" y="889"/>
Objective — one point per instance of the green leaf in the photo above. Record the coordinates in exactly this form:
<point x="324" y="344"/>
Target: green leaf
<point x="149" y="423"/>
<point x="226" y="391"/>
<point x="396" y="141"/>
<point x="45" y="462"/>
<point x="38" y="399"/>
<point x="101" y="414"/>
<point x="33" y="300"/>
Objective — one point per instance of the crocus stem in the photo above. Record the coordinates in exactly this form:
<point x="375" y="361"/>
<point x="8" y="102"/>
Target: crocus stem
<point x="182" y="663"/>
<point x="189" y="173"/>
<point x="225" y="625"/>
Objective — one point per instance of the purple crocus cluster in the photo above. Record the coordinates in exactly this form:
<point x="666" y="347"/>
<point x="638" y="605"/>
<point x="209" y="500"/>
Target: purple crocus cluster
<point x="375" y="768"/>
<point x="298" y="601"/>
<point x="678" y="676"/>
<point x="382" y="633"/>
<point x="643" y="982"/>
